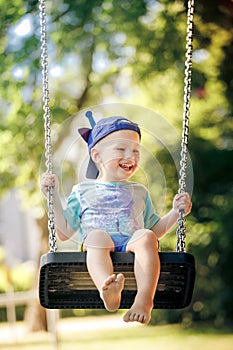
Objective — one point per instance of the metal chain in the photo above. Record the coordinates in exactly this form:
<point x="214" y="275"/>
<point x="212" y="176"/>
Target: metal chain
<point x="181" y="229"/>
<point x="47" y="123"/>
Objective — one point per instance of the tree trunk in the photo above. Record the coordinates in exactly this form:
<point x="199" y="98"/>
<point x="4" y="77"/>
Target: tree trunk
<point x="35" y="314"/>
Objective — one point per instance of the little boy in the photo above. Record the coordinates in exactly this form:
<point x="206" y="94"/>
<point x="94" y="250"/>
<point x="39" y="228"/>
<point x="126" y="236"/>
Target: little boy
<point x="114" y="214"/>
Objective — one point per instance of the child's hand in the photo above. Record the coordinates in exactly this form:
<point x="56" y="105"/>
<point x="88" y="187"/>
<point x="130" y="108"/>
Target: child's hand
<point x="48" y="180"/>
<point x="182" y="202"/>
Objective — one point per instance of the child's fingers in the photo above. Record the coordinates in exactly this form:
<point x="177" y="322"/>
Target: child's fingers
<point x="182" y="196"/>
<point x="47" y="180"/>
<point x="183" y="202"/>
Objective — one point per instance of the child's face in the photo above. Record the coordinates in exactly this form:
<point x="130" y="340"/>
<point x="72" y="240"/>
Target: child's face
<point x="117" y="155"/>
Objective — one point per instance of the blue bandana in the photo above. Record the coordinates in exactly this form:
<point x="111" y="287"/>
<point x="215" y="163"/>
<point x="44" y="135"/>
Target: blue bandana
<point x="100" y="130"/>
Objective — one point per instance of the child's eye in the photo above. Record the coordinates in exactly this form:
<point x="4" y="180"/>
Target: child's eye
<point x="136" y="151"/>
<point x="120" y="149"/>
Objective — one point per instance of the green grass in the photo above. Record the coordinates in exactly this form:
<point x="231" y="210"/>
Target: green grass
<point x="167" y="337"/>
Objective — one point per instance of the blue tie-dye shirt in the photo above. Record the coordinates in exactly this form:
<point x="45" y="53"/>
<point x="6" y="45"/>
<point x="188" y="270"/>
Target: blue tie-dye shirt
<point x="115" y="207"/>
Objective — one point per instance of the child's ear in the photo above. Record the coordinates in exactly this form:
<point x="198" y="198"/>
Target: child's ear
<point x="95" y="155"/>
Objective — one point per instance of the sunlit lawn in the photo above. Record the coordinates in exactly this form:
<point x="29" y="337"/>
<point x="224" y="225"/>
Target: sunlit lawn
<point x="115" y="337"/>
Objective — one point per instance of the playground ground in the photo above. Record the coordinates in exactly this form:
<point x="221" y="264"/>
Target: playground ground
<point x="101" y="332"/>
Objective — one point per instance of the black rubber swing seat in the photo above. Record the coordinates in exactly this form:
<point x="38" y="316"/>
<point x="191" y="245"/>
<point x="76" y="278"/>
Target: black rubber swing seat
<point x="65" y="282"/>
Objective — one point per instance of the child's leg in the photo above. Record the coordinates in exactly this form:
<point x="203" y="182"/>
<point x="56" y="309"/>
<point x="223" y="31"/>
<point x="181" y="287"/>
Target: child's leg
<point x="98" y="245"/>
<point x="146" y="270"/>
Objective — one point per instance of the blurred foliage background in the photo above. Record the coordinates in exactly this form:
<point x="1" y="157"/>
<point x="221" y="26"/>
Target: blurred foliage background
<point x="129" y="52"/>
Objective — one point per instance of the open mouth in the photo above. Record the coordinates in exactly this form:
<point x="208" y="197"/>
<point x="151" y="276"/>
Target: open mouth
<point x="126" y="166"/>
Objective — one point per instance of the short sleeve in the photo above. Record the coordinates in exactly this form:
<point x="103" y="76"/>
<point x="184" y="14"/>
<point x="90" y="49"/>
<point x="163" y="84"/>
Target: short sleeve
<point x="150" y="216"/>
<point x="72" y="213"/>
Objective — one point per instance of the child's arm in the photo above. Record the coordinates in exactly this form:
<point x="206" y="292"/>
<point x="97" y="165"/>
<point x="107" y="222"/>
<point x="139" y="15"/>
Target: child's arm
<point x="180" y="202"/>
<point x="63" y="229"/>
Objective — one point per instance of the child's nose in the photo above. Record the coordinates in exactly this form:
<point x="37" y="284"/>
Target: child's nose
<point x="128" y="154"/>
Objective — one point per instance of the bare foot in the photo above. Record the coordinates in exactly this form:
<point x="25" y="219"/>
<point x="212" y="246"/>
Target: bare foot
<point x="139" y="312"/>
<point x="111" y="291"/>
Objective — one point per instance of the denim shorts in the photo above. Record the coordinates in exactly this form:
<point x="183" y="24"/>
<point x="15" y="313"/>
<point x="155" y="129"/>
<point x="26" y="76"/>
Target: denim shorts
<point x="120" y="241"/>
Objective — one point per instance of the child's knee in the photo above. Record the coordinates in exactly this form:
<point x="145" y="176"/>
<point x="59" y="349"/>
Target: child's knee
<point x="143" y="238"/>
<point x="98" y="239"/>
<point x="149" y="238"/>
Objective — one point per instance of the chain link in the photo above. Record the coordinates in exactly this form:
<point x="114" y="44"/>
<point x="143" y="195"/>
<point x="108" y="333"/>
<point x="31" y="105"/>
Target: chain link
<point x="181" y="229"/>
<point x="47" y="123"/>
